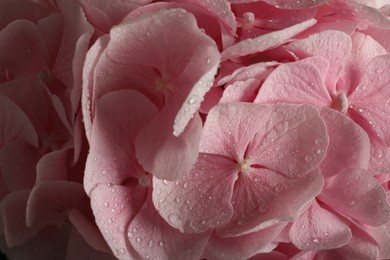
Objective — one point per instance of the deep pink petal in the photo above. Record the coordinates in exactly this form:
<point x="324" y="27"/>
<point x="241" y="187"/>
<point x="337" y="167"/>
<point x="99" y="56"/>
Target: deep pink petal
<point x="335" y="46"/>
<point x="242" y="247"/>
<point x="286" y="4"/>
<point x="50" y="201"/>
<point x="263" y="198"/>
<point x="318" y="229"/>
<point x="53" y="166"/>
<point x="114" y="207"/>
<point x="77" y="248"/>
<point x="265" y="42"/>
<point x="349" y="146"/>
<point x="298" y="82"/>
<point x="201" y="199"/>
<point x="18" y="161"/>
<point x="13" y="213"/>
<point x="15" y="124"/>
<point x="21" y="41"/>
<point x="356" y="193"/>
<point x="88" y="230"/>
<point x="152" y="237"/>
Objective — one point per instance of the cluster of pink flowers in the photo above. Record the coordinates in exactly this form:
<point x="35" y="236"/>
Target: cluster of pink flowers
<point x="195" y="129"/>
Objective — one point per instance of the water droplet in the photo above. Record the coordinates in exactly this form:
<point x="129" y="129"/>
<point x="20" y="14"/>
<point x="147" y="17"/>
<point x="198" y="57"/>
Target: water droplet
<point x="151" y="243"/>
<point x="319" y="151"/>
<point x="106" y="204"/>
<point x="129" y="234"/>
<point x="120" y="251"/>
<point x="178" y="199"/>
<point x="161" y="243"/>
<point x="139" y="240"/>
<point x="174" y="219"/>
<point x="193" y="100"/>
<point x="316" y="240"/>
<point x="135" y="230"/>
<point x="279" y="188"/>
<point x="165" y="182"/>
<point x="262" y="208"/>
<point x="109" y="221"/>
<point x="185" y="185"/>
<point x="110" y="184"/>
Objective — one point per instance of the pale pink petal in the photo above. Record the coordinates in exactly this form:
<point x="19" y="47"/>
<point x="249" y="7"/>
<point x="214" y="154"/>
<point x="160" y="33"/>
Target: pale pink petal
<point x="297" y="82"/>
<point x="335" y="46"/>
<point x="152" y="237"/>
<point x="88" y="230"/>
<point x="286" y="4"/>
<point x="380" y="157"/>
<point x="18" y="160"/>
<point x="15" y="124"/>
<point x="382" y="236"/>
<point x="291" y="139"/>
<point x="349" y="146"/>
<point x="318" y="229"/>
<point x="380" y="35"/>
<point x="364" y="49"/>
<point x="242" y="247"/>
<point x="361" y="246"/>
<point x="264" y="197"/>
<point x="366" y="14"/>
<point x="13" y="213"/>
<point x="119" y="116"/>
<point x="265" y="42"/>
<point x="163" y="154"/>
<point x="371" y="99"/>
<point x="87" y="102"/>
<point x="241" y="91"/>
<point x="50" y="201"/>
<point x="201" y="199"/>
<point x="356" y="193"/>
<point x="114" y="206"/>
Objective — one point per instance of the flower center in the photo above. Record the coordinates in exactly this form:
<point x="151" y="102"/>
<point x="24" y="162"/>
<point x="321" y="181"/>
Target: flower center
<point x="244" y="165"/>
<point x="163" y="85"/>
<point x="340" y="102"/>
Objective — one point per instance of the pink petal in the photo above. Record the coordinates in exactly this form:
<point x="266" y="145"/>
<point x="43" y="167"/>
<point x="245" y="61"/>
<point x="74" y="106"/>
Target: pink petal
<point x="364" y="49"/>
<point x="152" y="237"/>
<point x="372" y="98"/>
<point x="361" y="246"/>
<point x="367" y="14"/>
<point x="18" y="161"/>
<point x="382" y="236"/>
<point x="114" y="206"/>
<point x="242" y="247"/>
<point x="356" y="193"/>
<point x="380" y="157"/>
<point x="241" y="91"/>
<point x="286" y="4"/>
<point x="201" y="199"/>
<point x="297" y="82"/>
<point x="13" y="213"/>
<point x="77" y="248"/>
<point x="335" y="46"/>
<point x="265" y="42"/>
<point x="20" y="9"/>
<point x="15" y="124"/>
<point x="264" y="198"/>
<point x="291" y="139"/>
<point x="349" y="146"/>
<point x="90" y="63"/>
<point x="21" y="41"/>
<point x="88" y="230"/>
<point x="318" y="229"/>
<point x="119" y="116"/>
<point x="53" y="166"/>
<point x="50" y="201"/>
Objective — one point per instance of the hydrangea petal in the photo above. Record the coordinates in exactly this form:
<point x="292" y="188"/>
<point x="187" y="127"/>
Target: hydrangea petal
<point x="264" y="198"/>
<point x="242" y="247"/>
<point x="152" y="237"/>
<point x="349" y="146"/>
<point x="265" y="42"/>
<point x="356" y="193"/>
<point x="201" y="199"/>
<point x="298" y="82"/>
<point x="318" y="229"/>
<point x="335" y="46"/>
